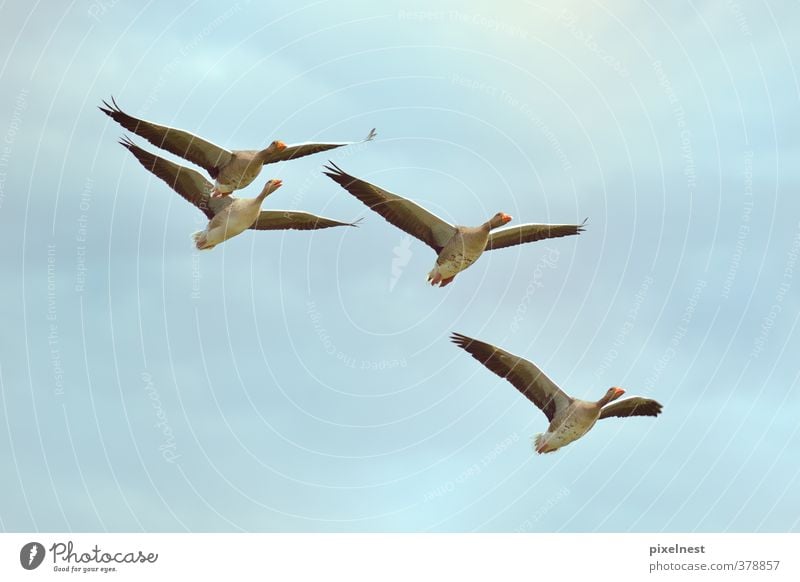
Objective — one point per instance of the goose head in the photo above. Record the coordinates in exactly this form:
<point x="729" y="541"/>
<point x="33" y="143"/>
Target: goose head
<point x="498" y="220"/>
<point x="276" y="146"/>
<point x="269" y="188"/>
<point x="612" y="394"/>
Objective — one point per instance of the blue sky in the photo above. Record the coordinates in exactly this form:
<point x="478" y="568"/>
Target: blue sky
<point x="305" y="381"/>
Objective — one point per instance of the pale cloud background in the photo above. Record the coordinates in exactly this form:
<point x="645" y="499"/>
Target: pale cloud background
<point x="305" y="382"/>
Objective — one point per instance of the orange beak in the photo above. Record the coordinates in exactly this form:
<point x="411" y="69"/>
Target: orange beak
<point x="618" y="391"/>
<point x="506" y="218"/>
<point x="280" y="146"/>
<point x="277" y="183"/>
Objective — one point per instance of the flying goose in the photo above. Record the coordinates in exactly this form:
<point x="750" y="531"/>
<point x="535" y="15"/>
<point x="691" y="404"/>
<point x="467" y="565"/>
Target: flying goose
<point x="457" y="246"/>
<point x="231" y="169"/>
<point x="569" y="417"/>
<point x="227" y="216"/>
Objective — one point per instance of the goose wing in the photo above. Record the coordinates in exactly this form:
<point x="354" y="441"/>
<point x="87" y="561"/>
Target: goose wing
<point x="525" y="233"/>
<point x="187" y="182"/>
<point x="523" y="375"/>
<point x="636" y="406"/>
<point x="401" y="212"/>
<point x="292" y="152"/>
<point x="190" y="147"/>
<point x="294" y="220"/>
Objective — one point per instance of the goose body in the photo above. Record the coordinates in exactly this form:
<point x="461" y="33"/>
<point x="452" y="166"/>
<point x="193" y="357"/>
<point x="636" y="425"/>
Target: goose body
<point x="240" y="170"/>
<point x="457" y="247"/>
<point x="462" y="250"/>
<point x="231" y="169"/>
<point x="228" y="216"/>
<point x="571" y="422"/>
<point x="570" y="418"/>
<point x="234" y="219"/>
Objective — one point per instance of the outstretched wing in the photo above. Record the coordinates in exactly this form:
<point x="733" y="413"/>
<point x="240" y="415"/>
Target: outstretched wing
<point x="187" y="182"/>
<point x="293" y="220"/>
<point x="401" y="212"/>
<point x="525" y="233"/>
<point x="177" y="141"/>
<point x="523" y="375"/>
<point x="636" y="406"/>
<point x="292" y="152"/>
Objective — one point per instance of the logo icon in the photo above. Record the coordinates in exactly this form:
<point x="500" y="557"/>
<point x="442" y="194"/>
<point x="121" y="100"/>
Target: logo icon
<point x="402" y="255"/>
<point x="31" y="555"/>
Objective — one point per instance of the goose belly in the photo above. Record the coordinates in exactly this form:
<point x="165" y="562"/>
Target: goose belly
<point x="566" y="433"/>
<point x="238" y="174"/>
<point x="450" y="264"/>
<point x="229" y="224"/>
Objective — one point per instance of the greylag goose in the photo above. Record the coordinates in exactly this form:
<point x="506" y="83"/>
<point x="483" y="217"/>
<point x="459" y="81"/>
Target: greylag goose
<point x="569" y="417"/>
<point x="457" y="246"/>
<point x="231" y="169"/>
<point x="227" y="216"/>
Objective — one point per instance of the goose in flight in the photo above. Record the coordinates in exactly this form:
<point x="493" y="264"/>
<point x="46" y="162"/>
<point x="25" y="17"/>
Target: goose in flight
<point x="231" y="169"/>
<point x="227" y="216"/>
<point x="569" y="417"/>
<point x="457" y="247"/>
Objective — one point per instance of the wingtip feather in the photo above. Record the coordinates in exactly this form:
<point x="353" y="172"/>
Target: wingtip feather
<point x="110" y="109"/>
<point x="460" y="340"/>
<point x="332" y="169"/>
<point x="336" y="174"/>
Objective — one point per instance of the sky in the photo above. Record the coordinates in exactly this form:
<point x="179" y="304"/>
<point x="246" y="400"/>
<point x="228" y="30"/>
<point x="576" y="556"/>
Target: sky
<point x="304" y="381"/>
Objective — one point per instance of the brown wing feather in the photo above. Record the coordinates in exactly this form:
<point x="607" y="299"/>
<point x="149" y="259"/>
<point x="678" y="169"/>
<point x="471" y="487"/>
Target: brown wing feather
<point x="636" y="406"/>
<point x="293" y="220"/>
<point x="300" y="150"/>
<point x="190" y="147"/>
<point x="401" y="212"/>
<point x="187" y="182"/>
<point x="525" y="233"/>
<point x="524" y="375"/>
